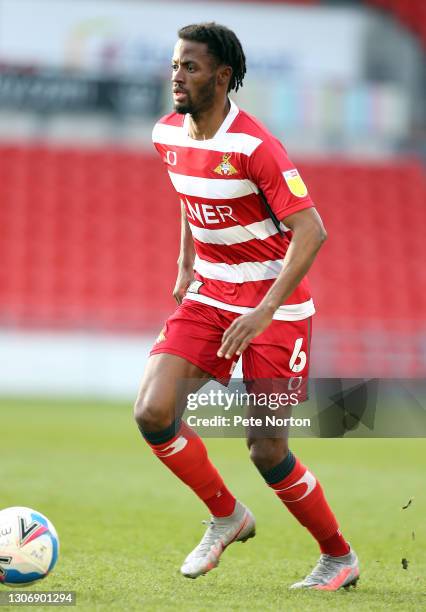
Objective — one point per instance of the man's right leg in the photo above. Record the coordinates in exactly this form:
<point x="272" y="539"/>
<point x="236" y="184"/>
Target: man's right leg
<point x="158" y="413"/>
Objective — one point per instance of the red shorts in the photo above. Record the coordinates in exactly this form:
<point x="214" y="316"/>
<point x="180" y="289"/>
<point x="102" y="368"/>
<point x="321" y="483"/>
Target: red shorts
<point x="194" y="331"/>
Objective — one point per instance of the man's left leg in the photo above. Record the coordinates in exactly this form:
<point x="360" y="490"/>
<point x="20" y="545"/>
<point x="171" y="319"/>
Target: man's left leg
<point x="282" y="351"/>
<point x="302" y="494"/>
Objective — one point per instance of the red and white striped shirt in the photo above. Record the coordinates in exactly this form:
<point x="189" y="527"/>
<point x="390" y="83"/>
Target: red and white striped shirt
<point x="239" y="251"/>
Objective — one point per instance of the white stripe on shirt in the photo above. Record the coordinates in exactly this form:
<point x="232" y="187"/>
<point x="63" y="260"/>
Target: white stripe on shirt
<point x="259" y="230"/>
<point x="239" y="273"/>
<point x="287" y="312"/>
<point x="228" y="142"/>
<point x="216" y="189"/>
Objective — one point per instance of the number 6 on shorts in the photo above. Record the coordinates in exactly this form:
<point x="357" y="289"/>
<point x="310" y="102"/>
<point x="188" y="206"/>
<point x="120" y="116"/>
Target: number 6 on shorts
<point x="298" y="354"/>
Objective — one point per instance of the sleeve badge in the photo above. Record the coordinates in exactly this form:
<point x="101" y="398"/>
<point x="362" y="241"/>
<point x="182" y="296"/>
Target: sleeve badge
<point x="295" y="183"/>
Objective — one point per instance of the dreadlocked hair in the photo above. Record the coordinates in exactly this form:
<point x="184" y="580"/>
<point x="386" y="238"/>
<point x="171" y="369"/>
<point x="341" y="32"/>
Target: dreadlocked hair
<point x="223" y="44"/>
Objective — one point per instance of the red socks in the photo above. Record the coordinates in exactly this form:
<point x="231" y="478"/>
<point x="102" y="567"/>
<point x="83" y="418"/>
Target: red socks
<point x="336" y="546"/>
<point x="186" y="456"/>
<point x="303" y="495"/>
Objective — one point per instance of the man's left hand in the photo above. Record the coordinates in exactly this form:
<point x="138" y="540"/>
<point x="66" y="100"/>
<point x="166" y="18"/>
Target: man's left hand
<point x="238" y="335"/>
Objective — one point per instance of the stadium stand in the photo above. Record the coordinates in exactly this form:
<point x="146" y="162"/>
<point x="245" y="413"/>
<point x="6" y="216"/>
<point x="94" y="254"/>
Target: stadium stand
<point x="89" y="241"/>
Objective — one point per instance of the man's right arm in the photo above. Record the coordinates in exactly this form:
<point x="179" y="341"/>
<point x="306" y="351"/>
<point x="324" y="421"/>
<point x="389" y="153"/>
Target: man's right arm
<point x="186" y="259"/>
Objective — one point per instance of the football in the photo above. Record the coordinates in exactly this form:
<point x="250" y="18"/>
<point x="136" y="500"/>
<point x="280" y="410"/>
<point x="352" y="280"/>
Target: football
<point x="29" y="546"/>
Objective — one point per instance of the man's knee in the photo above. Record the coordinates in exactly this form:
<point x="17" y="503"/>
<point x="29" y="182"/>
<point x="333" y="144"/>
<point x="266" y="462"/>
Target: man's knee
<point x="267" y="453"/>
<point x="150" y="415"/>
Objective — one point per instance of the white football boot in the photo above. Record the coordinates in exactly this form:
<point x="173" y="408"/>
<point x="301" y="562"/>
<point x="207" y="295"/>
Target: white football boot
<point x="221" y="532"/>
<point x="332" y="573"/>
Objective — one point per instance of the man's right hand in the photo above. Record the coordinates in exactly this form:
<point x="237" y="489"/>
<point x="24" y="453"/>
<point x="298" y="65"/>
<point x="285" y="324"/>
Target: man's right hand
<point x="184" y="279"/>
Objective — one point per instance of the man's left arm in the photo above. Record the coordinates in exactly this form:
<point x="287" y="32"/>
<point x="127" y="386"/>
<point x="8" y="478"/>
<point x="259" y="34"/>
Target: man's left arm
<point x="308" y="236"/>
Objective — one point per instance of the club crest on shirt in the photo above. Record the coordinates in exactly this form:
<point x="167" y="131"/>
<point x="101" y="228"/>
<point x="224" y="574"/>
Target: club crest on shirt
<point x="225" y="167"/>
<point x="295" y="183"/>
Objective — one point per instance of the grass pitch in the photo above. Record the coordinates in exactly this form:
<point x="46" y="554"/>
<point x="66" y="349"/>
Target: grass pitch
<point x="125" y="523"/>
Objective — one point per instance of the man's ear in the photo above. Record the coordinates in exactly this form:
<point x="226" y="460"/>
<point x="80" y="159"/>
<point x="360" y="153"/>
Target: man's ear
<point x="224" y="75"/>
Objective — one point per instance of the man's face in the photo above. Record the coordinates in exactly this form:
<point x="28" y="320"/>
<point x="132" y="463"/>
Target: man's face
<point x="193" y="77"/>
